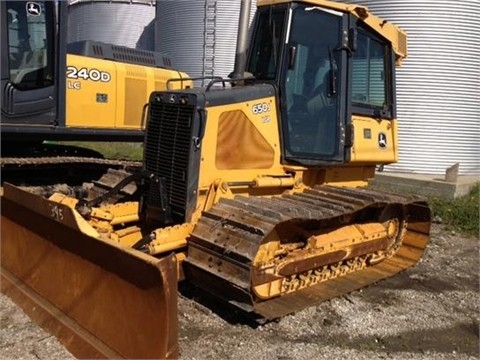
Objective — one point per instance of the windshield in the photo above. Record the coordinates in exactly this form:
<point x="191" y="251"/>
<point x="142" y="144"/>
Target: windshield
<point x="30" y="43"/>
<point x="311" y="84"/>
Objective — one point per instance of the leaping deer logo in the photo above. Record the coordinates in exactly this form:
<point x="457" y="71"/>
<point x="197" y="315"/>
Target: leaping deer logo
<point x="382" y="140"/>
<point x="33" y="8"/>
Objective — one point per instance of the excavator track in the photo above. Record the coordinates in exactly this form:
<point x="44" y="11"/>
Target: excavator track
<point x="73" y="170"/>
<point x="20" y="159"/>
<point x="274" y="256"/>
<point x="30" y="162"/>
<point x="24" y="168"/>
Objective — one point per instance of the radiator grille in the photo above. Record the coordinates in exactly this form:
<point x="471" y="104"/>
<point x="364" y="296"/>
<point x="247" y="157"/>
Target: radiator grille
<point x="167" y="151"/>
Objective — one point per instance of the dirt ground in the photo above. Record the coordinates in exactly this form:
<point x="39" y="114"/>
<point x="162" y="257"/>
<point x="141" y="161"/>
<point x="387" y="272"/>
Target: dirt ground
<point x="430" y="311"/>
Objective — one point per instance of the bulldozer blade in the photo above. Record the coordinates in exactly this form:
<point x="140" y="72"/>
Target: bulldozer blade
<point x="99" y="299"/>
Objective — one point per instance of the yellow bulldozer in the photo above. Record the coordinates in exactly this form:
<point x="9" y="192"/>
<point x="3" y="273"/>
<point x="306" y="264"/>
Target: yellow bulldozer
<point x="253" y="188"/>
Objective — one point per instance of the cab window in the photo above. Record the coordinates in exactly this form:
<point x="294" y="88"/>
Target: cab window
<point x="30" y="43"/>
<point x="266" y="50"/>
<point x="370" y="87"/>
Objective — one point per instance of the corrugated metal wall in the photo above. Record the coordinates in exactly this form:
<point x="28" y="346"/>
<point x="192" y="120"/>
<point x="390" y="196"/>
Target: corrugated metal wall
<point x="126" y="23"/>
<point x="199" y="35"/>
<point x="438" y="86"/>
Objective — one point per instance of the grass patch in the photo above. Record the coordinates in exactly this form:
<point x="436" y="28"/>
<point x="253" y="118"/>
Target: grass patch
<point x="112" y="150"/>
<point x="461" y="214"/>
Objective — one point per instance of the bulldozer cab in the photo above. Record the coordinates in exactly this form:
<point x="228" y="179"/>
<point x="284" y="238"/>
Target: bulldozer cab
<point x="327" y="66"/>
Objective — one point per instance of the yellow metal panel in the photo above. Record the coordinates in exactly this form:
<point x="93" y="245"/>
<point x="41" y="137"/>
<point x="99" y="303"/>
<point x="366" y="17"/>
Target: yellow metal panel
<point x="368" y="144"/>
<point x="109" y="94"/>
<point x="139" y="82"/>
<point x="133" y="95"/>
<point x="90" y="102"/>
<point x="266" y="128"/>
<point x="240" y="144"/>
<point x="349" y="175"/>
<point x="323" y="3"/>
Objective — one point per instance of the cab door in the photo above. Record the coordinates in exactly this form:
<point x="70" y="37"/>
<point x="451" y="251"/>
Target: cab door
<point x="28" y="62"/>
<point x="313" y="87"/>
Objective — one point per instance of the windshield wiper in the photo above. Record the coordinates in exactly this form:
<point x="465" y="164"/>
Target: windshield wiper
<point x="333" y="73"/>
<point x="272" y="28"/>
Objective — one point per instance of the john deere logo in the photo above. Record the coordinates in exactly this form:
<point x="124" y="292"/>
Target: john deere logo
<point x="33" y="8"/>
<point x="382" y="140"/>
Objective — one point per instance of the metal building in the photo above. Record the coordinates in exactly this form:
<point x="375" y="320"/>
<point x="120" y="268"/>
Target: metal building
<point x="127" y="23"/>
<point x="438" y="86"/>
<point x="199" y="35"/>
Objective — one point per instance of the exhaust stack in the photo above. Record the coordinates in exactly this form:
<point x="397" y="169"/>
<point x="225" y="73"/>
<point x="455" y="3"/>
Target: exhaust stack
<point x="242" y="39"/>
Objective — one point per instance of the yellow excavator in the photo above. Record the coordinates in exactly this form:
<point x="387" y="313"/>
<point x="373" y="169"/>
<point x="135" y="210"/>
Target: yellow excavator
<point x="252" y="188"/>
<point x="54" y="91"/>
<point x="88" y="90"/>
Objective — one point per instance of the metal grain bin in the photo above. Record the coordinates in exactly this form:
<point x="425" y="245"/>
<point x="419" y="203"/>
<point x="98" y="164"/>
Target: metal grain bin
<point x="438" y="85"/>
<point x="200" y="35"/>
<point x="127" y="23"/>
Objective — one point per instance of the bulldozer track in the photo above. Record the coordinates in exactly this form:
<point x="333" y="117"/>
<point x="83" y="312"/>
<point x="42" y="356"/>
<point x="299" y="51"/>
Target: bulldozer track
<point x="224" y="244"/>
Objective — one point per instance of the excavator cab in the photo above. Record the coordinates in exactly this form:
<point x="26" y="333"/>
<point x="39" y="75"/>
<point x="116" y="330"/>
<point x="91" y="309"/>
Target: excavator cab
<point x="87" y="90"/>
<point x="29" y="63"/>
<point x="327" y="65"/>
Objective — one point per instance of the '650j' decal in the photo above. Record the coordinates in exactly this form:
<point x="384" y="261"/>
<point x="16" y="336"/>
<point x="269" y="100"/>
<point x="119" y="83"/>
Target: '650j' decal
<point x="87" y="74"/>
<point x="261" y="108"/>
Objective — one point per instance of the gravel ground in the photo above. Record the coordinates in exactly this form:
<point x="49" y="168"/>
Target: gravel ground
<point x="430" y="311"/>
